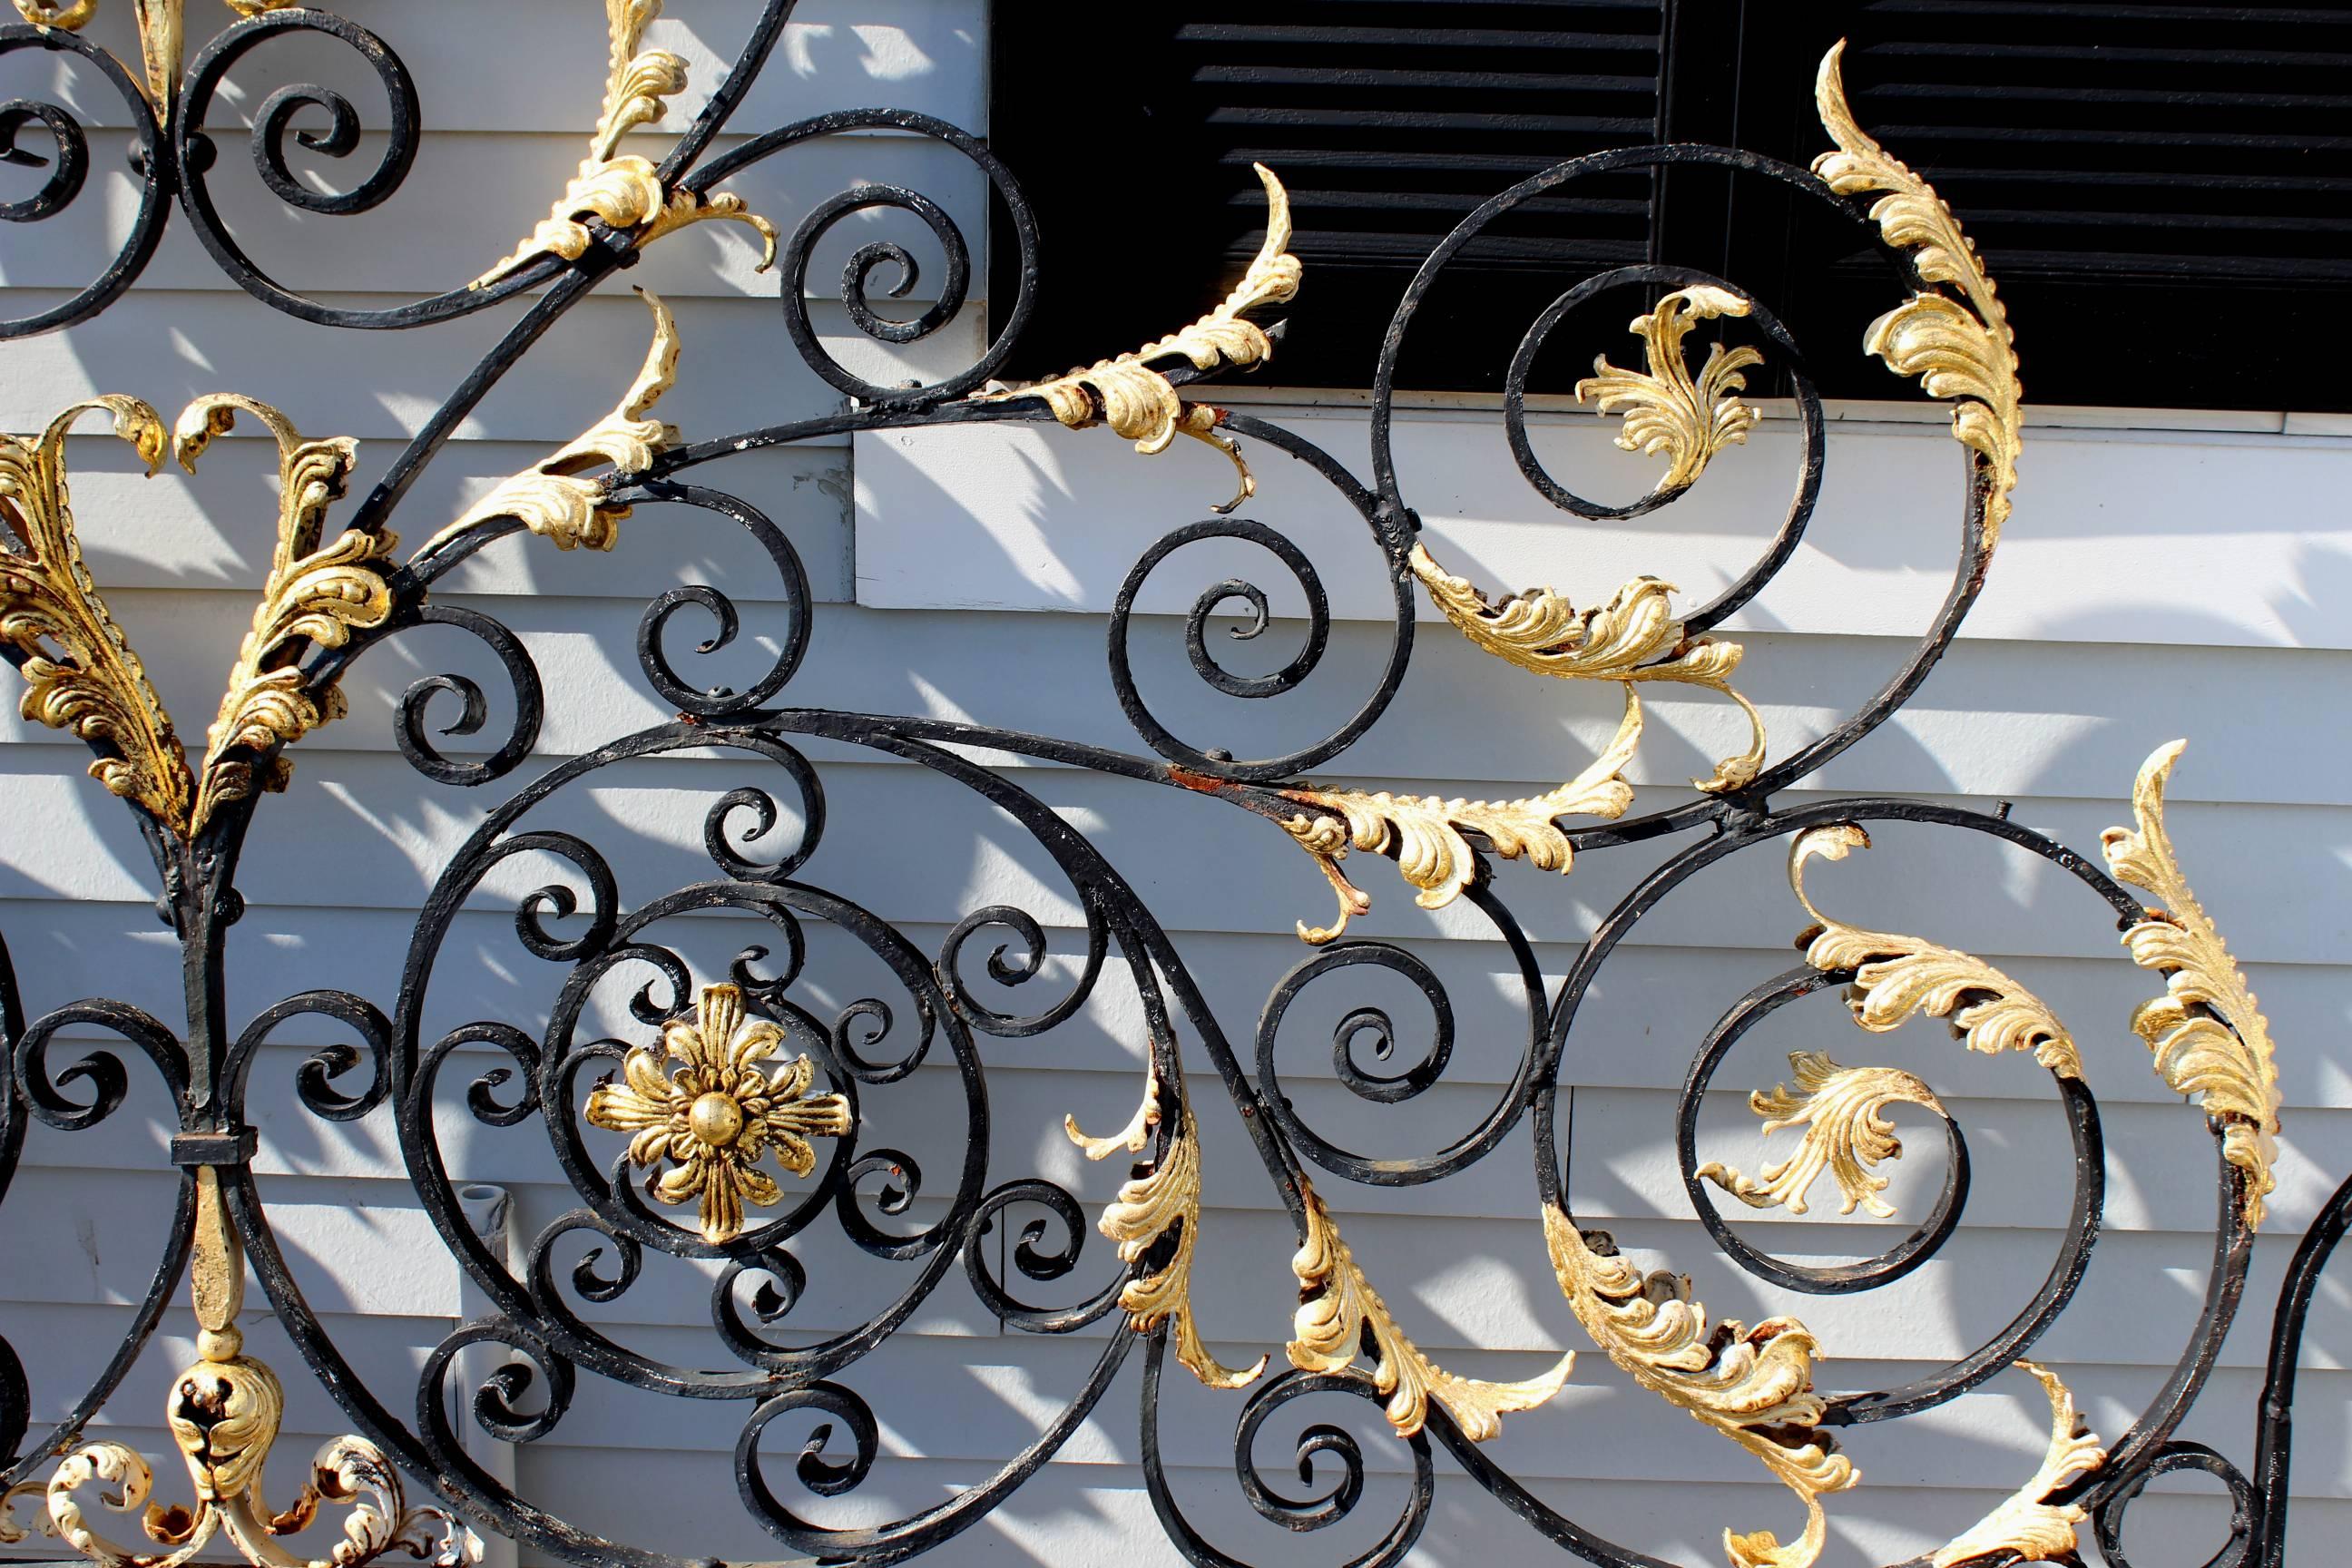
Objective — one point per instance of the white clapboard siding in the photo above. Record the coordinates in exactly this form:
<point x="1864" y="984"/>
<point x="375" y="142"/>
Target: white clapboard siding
<point x="2123" y="533"/>
<point x="834" y="54"/>
<point x="2167" y="572"/>
<point x="416" y="254"/>
<point x="583" y="365"/>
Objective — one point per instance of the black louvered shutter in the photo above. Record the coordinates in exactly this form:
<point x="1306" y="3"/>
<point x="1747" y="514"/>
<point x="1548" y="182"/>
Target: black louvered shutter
<point x="1388" y="120"/>
<point x="2164" y="190"/>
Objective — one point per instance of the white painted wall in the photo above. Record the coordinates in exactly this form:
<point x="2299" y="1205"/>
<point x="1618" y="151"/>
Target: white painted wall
<point x="2165" y="574"/>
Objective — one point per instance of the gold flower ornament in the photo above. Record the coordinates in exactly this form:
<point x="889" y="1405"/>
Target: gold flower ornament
<point x="719" y="1113"/>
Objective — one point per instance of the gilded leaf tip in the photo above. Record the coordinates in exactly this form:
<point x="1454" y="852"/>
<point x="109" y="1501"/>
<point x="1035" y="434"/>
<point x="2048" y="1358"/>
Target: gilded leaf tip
<point x="1427" y="837"/>
<point x="1896" y="977"/>
<point x="2026" y="1527"/>
<point x="1958" y="345"/>
<point x="1667" y="412"/>
<point x="80" y="672"/>
<point x="561" y="498"/>
<point x="2210" y="1038"/>
<point x="1141" y="403"/>
<point x="1339" y="1312"/>
<point x="1149" y="1206"/>
<point x="1845" y="1133"/>
<point x="1754" y="1385"/>
<point x="623" y="191"/>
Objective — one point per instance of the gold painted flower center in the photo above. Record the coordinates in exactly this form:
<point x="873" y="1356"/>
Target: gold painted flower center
<point x="717" y="1119"/>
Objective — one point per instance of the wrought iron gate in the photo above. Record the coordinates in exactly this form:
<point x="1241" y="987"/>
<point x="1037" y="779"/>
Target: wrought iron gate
<point x="740" y="1105"/>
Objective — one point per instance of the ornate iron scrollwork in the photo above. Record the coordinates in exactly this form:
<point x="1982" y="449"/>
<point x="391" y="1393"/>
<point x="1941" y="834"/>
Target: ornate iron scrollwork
<point x="749" y="1075"/>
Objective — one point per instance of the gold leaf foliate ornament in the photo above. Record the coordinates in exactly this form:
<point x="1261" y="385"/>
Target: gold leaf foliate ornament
<point x="1338" y="1310"/>
<point x="315" y="596"/>
<point x="2025" y="1528"/>
<point x="1149" y="1206"/>
<point x="718" y="1113"/>
<point x="49" y="606"/>
<point x="555" y="499"/>
<point x="1842" y="1110"/>
<point x="1427" y="833"/>
<point x="1541" y="631"/>
<point x="1141" y="402"/>
<point x="1665" y="411"/>
<point x="79" y="671"/>
<point x="1753" y="1385"/>
<point x="624" y="190"/>
<point x="2210" y="1039"/>
<point x="1636" y="636"/>
<point x="1960" y="348"/>
<point x="1896" y="977"/>
<point x="224" y="1414"/>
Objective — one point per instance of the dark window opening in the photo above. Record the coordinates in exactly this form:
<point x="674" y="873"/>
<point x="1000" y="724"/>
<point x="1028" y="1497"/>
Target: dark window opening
<point x="2163" y="191"/>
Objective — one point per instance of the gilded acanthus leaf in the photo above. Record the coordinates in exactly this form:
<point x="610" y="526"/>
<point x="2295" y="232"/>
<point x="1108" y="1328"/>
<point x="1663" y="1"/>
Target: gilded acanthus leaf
<point x="1960" y="347"/>
<point x="1896" y="977"/>
<point x="79" y="672"/>
<point x="1426" y="833"/>
<point x="1842" y="1110"/>
<point x="315" y="596"/>
<point x="2211" y="1041"/>
<point x="1633" y="637"/>
<point x="1342" y="1317"/>
<point x="1141" y="402"/>
<point x="1753" y="1385"/>
<point x="624" y="190"/>
<point x="555" y="498"/>
<point x="1149" y="1206"/>
<point x="2026" y="1529"/>
<point x="1665" y="411"/>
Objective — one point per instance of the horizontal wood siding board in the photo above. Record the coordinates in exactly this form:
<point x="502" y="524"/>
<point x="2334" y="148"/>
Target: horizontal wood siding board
<point x="1993" y="897"/>
<point x="2161" y="1181"/>
<point x="572" y="378"/>
<point x="1647" y="994"/>
<point x="1476" y="1286"/>
<point x="2117" y="536"/>
<point x="1967" y="734"/>
<point x="834" y="54"/>
<point x="408" y="249"/>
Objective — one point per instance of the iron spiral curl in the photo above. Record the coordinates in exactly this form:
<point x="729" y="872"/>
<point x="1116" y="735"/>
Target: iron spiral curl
<point x="1374" y="1025"/>
<point x="1219" y="764"/>
<point x="1336" y="1500"/>
<point x="415" y="704"/>
<point x="68" y="161"/>
<point x="859" y="276"/>
<point x="288" y="115"/>
<point x="15" y="1393"/>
